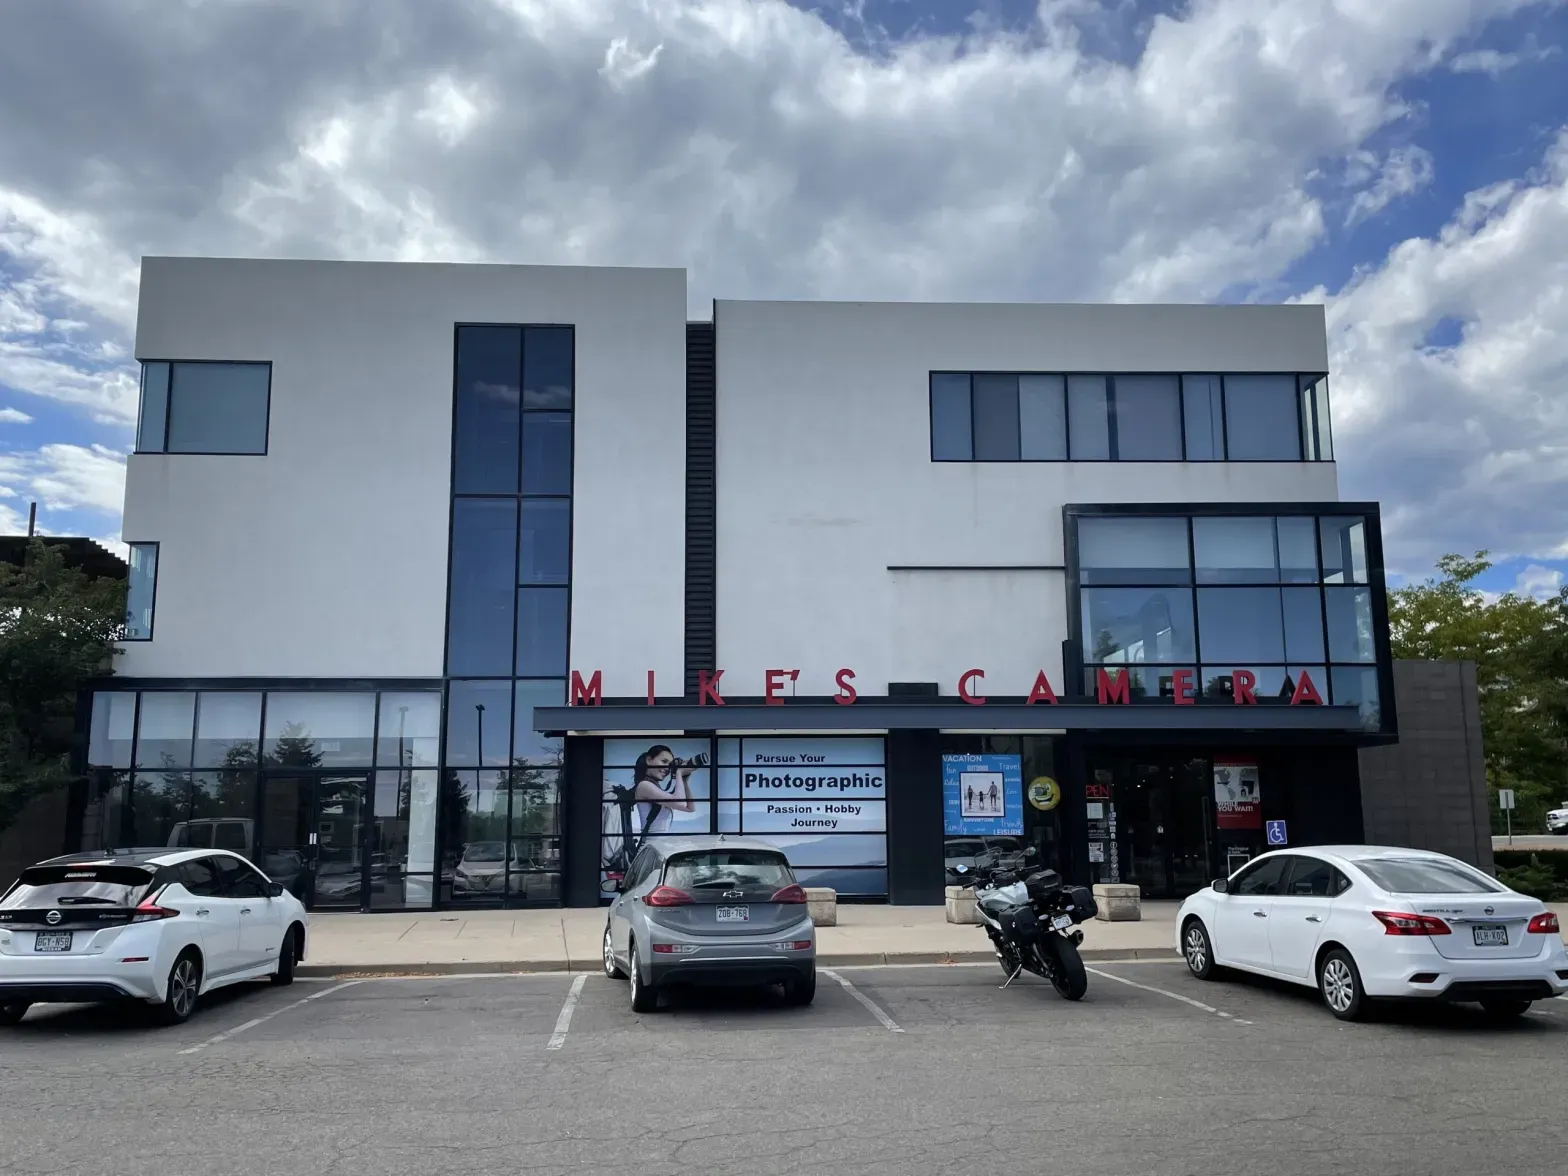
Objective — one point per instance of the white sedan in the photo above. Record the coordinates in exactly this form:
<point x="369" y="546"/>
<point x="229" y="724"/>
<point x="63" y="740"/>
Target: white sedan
<point x="1366" y="922"/>
<point x="160" y="926"/>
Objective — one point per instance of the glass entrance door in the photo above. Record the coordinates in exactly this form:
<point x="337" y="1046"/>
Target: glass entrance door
<point x="1163" y="822"/>
<point x="313" y="833"/>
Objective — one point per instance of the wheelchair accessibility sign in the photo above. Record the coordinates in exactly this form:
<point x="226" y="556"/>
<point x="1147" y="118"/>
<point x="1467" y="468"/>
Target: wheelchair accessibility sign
<point x="1276" y="832"/>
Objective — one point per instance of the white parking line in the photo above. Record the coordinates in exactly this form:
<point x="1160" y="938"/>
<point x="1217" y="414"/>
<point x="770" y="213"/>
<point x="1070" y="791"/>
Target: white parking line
<point x="564" y="1021"/>
<point x="1197" y="1004"/>
<point x="876" y="1011"/>
<point x="238" y="1029"/>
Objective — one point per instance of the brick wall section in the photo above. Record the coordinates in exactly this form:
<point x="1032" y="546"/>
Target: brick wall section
<point x="1428" y="791"/>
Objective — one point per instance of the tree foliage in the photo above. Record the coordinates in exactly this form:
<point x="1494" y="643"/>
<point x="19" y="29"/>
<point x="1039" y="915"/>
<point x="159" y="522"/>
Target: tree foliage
<point x="58" y="628"/>
<point x="1520" y="648"/>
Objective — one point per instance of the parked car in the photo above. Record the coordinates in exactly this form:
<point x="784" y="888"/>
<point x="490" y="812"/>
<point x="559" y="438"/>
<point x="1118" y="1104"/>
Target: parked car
<point x="159" y="926"/>
<point x="1363" y="923"/>
<point x="1557" y="819"/>
<point x="714" y="912"/>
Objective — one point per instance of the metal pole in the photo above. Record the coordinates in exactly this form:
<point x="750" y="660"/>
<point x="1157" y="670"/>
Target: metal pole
<point x="32" y="519"/>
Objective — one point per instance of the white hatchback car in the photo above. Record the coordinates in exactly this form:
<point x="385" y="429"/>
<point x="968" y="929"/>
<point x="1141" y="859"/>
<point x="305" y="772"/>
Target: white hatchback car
<point x="1366" y="922"/>
<point x="161" y="926"/>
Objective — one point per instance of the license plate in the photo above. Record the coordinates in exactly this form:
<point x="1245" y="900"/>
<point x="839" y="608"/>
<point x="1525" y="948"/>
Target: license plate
<point x="52" y="941"/>
<point x="1060" y="922"/>
<point x="1491" y="935"/>
<point x="733" y="914"/>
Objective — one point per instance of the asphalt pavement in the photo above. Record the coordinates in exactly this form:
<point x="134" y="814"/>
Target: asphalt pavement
<point x="892" y="1071"/>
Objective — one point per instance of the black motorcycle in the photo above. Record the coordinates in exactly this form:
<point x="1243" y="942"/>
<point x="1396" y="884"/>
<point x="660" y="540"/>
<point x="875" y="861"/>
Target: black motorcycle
<point x="1032" y="921"/>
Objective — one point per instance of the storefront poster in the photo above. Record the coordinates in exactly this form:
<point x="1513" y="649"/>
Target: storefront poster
<point x="651" y="787"/>
<point x="983" y="794"/>
<point x="1237" y="804"/>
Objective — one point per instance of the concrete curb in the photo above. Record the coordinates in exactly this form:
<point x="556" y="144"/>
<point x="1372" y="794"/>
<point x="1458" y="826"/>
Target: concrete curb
<point x="825" y="960"/>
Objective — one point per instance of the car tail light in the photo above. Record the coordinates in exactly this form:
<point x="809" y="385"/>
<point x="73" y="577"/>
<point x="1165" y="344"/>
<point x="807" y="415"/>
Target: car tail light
<point x="794" y="892"/>
<point x="150" y="911"/>
<point x="793" y="945"/>
<point x="667" y="896"/>
<point x="1544" y="923"/>
<point x="674" y="948"/>
<point x="1396" y="923"/>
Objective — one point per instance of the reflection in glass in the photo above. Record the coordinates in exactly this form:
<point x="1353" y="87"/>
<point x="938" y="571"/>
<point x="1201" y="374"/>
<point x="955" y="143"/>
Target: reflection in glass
<point x="1142" y="681"/>
<point x="1269" y="682"/>
<point x="483" y="578"/>
<point x="1357" y="686"/>
<point x="528" y="746"/>
<point x="1261" y="421"/>
<point x="165" y="727"/>
<point x="410" y="729"/>
<point x="1240" y="625"/>
<point x="1303" y="624"/>
<point x="547" y="367"/>
<point x="1133" y="551"/>
<point x="1042" y="418"/>
<point x="103" y="819"/>
<point x="1236" y="550"/>
<point x="996" y="417"/>
<point x="1344" y="550"/>
<point x="152" y="423"/>
<point x="1319" y="395"/>
<point x="1350" y="624"/>
<point x="1203" y="414"/>
<point x="1137" y="625"/>
<point x="1088" y="419"/>
<point x="479" y="737"/>
<point x="484" y="460"/>
<point x="223" y="811"/>
<point x="228" y="728"/>
<point x="340" y="822"/>
<point x="219" y="407"/>
<point x="952" y="437"/>
<point x="544" y="554"/>
<point x="320" y="729"/>
<point x="402" y="850"/>
<point x="159" y="801"/>
<point x="1298" y="549"/>
<point x="141" y="583"/>
<point x="1148" y="418"/>
<point x="113" y="725"/>
<point x="475" y="860"/>
<point x="541" y="632"/>
<point x="547" y="453"/>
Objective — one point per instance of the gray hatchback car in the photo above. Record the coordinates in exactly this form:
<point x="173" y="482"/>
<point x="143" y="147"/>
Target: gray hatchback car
<point x="712" y="912"/>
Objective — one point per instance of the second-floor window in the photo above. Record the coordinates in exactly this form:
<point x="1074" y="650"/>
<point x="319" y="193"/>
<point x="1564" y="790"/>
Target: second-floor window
<point x="1012" y="416"/>
<point x="190" y="407"/>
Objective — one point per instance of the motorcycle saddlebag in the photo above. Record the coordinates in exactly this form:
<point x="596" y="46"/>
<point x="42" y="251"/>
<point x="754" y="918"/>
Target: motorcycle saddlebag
<point x="1042" y="884"/>
<point x="1081" y="905"/>
<point x="1020" y="925"/>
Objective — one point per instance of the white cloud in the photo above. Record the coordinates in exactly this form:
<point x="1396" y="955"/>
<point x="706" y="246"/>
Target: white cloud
<point x="1491" y="61"/>
<point x="1538" y="582"/>
<point x="1406" y="170"/>
<point x="14" y="416"/>
<point x="67" y="477"/>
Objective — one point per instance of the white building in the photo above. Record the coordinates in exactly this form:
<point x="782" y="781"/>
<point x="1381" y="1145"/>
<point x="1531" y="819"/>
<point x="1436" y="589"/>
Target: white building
<point x="388" y="520"/>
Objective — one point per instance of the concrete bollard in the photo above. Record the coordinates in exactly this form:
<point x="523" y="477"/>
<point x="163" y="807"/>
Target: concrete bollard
<point x="1117" y="902"/>
<point x="961" y="906"/>
<point x="822" y="906"/>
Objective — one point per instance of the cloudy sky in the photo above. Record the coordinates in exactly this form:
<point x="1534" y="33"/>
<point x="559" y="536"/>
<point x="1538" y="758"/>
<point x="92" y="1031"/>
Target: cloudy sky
<point x="1403" y="161"/>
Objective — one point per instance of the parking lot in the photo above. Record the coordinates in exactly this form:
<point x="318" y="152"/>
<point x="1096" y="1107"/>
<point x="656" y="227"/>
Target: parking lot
<point x="892" y="1070"/>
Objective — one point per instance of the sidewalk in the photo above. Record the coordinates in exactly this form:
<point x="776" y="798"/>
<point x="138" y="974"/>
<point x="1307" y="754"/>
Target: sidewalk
<point x="440" y="942"/>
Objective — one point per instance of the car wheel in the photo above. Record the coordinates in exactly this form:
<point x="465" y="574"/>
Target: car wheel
<point x="802" y="991"/>
<point x="644" y="999"/>
<point x="1197" y="950"/>
<point x="1340" y="984"/>
<point x="12" y="1014"/>
<point x="182" y="989"/>
<point x="1505" y="1008"/>
<point x="611" y="968"/>
<point x="288" y="955"/>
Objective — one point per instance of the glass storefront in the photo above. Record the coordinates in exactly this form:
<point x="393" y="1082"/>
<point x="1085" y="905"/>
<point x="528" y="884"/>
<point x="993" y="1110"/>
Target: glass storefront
<point x="1038" y="801"/>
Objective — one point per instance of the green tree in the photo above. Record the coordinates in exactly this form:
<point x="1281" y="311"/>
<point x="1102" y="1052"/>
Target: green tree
<point x="1520" y="648"/>
<point x="58" y="628"/>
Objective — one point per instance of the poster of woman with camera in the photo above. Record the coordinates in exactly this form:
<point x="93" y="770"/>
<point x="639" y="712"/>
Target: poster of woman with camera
<point x="664" y="791"/>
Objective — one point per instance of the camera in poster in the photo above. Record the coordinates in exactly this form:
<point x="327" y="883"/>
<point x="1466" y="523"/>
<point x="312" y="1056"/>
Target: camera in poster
<point x="651" y="787"/>
<point x="1237" y="803"/>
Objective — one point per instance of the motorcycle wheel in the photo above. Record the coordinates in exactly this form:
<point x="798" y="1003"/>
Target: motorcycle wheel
<point x="1005" y="956"/>
<point x="1067" y="973"/>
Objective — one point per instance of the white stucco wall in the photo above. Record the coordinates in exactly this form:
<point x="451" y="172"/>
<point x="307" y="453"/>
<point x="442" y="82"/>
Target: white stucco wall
<point x="328" y="556"/>
<point x="825" y="480"/>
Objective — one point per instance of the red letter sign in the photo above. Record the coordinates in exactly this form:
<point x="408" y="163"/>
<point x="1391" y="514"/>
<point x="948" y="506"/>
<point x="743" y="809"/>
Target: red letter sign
<point x="1181" y="683"/>
<point x="846" y="692"/>
<point x="1305" y="691"/>
<point x="708" y="688"/>
<point x="963" y="688"/>
<point x="775" y="683"/>
<point x="1108" y="689"/>
<point x="591" y="694"/>
<point x="650" y="688"/>
<point x="1241" y="684"/>
<point x="1042" y="691"/>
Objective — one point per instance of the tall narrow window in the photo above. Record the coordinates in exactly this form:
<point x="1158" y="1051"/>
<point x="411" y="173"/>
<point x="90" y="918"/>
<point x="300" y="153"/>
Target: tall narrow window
<point x="141" y="588"/>
<point x="952" y="423"/>
<point x="1148" y="418"/>
<point x="1088" y="419"/>
<point x="1203" y="413"/>
<point x="1042" y="418"/>
<point x="209" y="408"/>
<point x="996" y="417"/>
<point x="1261" y="418"/>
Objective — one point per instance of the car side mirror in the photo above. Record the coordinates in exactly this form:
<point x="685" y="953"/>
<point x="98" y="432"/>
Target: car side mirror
<point x="275" y="890"/>
<point x="1221" y="886"/>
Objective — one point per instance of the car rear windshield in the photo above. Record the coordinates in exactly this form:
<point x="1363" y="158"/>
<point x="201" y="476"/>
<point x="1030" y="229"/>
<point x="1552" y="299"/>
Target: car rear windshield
<point x="1416" y="876"/>
<point x="58" y="886"/>
<point x="484" y="851"/>
<point x="728" y="868"/>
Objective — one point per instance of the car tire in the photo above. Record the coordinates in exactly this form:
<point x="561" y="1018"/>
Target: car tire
<point x="1505" y="1008"/>
<point x="182" y="989"/>
<point x="611" y="969"/>
<point x="1198" y="950"/>
<point x="1339" y="983"/>
<point x="803" y="990"/>
<point x="12" y="1014"/>
<point x="644" y="998"/>
<point x="288" y="956"/>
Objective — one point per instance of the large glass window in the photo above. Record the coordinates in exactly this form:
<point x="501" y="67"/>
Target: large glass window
<point x="113" y="726"/>
<point x="1148" y="418"/>
<point x="1234" y="550"/>
<point x="485" y="457"/>
<point x="547" y="368"/>
<point x="952" y="425"/>
<point x="141" y="588"/>
<point x="164" y="728"/>
<point x="1123" y="625"/>
<point x="545" y="550"/>
<point x="1262" y="422"/>
<point x="542" y="632"/>
<point x="204" y="408"/>
<point x="528" y="746"/>
<point x="1349" y="624"/>
<point x="228" y="729"/>
<point x="1240" y="626"/>
<point x="409" y="730"/>
<point x="484" y="579"/>
<point x="320" y="730"/>
<point x="1344" y="550"/>
<point x="478" y="723"/>
<point x="547" y="453"/>
<point x="1120" y="550"/>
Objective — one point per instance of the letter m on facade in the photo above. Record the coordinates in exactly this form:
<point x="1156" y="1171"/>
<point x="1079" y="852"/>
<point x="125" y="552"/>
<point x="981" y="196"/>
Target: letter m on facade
<point x="590" y="693"/>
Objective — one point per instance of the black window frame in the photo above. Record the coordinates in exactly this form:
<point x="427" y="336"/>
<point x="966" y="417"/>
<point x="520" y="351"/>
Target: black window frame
<point x="168" y="398"/>
<point x="1311" y="446"/>
<point x="152" y="608"/>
